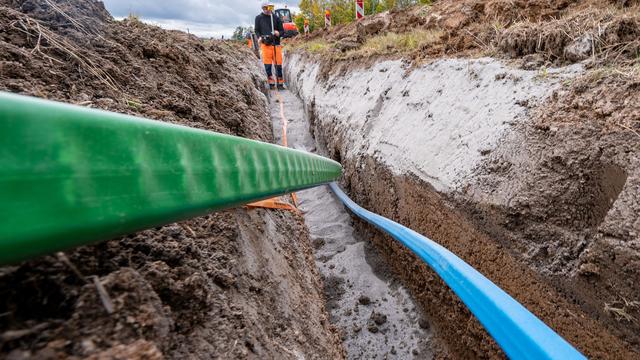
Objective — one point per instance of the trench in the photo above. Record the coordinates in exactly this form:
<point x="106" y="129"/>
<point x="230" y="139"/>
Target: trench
<point x="413" y="147"/>
<point x="374" y="313"/>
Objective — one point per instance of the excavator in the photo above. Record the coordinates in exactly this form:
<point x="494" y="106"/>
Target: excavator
<point x="290" y="29"/>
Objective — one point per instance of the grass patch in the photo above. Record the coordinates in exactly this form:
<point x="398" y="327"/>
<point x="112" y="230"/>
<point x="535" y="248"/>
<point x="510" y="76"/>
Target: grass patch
<point x="133" y="17"/>
<point x="393" y="43"/>
<point x="620" y="310"/>
<point x="319" y="46"/>
<point x="316" y="47"/>
<point x="631" y="72"/>
<point x="134" y="104"/>
<point x="384" y="44"/>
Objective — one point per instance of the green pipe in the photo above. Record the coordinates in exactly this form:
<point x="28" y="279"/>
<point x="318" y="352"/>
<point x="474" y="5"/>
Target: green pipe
<point x="72" y="176"/>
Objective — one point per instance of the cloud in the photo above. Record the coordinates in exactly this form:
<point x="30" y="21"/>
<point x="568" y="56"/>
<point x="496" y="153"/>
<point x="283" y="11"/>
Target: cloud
<point x="205" y="18"/>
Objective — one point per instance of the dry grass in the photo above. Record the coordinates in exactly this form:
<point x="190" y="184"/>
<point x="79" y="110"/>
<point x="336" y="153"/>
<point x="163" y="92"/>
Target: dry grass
<point x="316" y="47"/>
<point x="611" y="32"/>
<point x="33" y="29"/>
<point x="631" y="72"/>
<point x="393" y="43"/>
<point x="133" y="17"/>
<point x="621" y="309"/>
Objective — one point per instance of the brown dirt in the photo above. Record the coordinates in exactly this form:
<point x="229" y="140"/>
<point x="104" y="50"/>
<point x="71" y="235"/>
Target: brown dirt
<point x="235" y="284"/>
<point x="414" y="203"/>
<point x="573" y="197"/>
<point x="540" y="32"/>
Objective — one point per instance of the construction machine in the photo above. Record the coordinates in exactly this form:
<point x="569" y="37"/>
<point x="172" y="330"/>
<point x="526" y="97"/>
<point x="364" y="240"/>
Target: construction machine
<point x="290" y="28"/>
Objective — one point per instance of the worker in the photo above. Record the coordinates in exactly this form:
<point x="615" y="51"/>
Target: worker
<point x="269" y="29"/>
<point x="249" y="39"/>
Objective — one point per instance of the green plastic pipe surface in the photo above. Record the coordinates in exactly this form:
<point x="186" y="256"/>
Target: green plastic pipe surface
<point x="72" y="176"/>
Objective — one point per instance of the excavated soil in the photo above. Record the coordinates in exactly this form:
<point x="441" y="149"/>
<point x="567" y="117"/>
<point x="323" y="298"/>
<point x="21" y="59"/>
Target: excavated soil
<point x="234" y="284"/>
<point x="129" y="67"/>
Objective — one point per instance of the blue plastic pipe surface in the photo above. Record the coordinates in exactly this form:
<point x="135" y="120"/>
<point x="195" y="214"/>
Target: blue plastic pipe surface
<point x="518" y="332"/>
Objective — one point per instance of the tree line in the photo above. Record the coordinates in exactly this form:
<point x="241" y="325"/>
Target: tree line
<point x="344" y="11"/>
<point x="240" y="32"/>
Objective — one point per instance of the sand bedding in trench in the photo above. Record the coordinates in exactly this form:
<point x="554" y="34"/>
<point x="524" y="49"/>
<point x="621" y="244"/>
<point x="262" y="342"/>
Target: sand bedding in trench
<point x="208" y="287"/>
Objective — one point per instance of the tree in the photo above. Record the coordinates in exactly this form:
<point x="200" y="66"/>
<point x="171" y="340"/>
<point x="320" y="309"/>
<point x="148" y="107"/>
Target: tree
<point x="238" y="33"/>
<point x="298" y="19"/>
<point x="311" y="10"/>
<point x="343" y="11"/>
<point x="317" y="14"/>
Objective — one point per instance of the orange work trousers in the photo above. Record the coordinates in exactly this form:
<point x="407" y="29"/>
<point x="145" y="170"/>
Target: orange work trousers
<point x="268" y="54"/>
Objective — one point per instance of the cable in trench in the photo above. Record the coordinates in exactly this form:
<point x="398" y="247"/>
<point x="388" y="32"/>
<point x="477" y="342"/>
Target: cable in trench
<point x="285" y="122"/>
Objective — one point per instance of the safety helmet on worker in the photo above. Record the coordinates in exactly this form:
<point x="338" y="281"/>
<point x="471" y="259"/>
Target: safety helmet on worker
<point x="268" y="5"/>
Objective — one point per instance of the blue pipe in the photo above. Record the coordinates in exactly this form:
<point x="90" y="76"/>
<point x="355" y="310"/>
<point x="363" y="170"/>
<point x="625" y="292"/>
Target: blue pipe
<point x="518" y="332"/>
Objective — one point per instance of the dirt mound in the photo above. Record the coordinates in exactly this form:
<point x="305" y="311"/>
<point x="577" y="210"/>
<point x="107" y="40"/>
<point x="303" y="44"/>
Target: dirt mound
<point x="604" y="36"/>
<point x="609" y="96"/>
<point x="66" y="17"/>
<point x="133" y="68"/>
<point x="209" y="287"/>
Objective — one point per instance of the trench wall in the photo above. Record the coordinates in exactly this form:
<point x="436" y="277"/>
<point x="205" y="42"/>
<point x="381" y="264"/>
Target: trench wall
<point x="410" y="143"/>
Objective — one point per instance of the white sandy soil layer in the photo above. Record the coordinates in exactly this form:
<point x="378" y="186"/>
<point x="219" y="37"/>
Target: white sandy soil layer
<point x="436" y="121"/>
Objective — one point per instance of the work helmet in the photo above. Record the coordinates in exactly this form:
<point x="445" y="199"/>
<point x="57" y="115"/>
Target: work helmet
<point x="267" y="4"/>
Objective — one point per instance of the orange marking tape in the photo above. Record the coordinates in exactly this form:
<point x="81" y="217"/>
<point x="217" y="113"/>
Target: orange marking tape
<point x="273" y="203"/>
<point x="276" y="203"/>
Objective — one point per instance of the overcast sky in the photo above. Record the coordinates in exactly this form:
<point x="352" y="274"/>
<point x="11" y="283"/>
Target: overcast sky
<point x="206" y="18"/>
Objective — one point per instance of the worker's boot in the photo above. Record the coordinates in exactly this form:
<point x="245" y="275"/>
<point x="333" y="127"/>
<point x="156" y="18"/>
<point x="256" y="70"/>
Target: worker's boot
<point x="272" y="82"/>
<point x="281" y="84"/>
